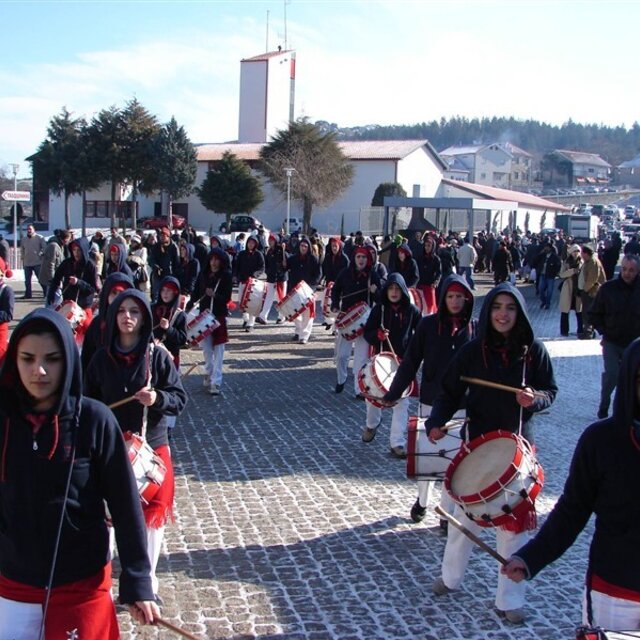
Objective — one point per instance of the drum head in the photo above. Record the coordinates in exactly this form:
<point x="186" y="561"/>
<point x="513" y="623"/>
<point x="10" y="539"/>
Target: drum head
<point x="385" y="367"/>
<point x="484" y="465"/>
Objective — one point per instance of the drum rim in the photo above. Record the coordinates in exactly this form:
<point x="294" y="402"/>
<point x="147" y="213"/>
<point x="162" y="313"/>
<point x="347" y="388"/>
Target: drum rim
<point x="504" y="479"/>
<point x="360" y="307"/>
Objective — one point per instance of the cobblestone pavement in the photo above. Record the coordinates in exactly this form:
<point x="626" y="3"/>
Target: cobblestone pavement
<point x="289" y="526"/>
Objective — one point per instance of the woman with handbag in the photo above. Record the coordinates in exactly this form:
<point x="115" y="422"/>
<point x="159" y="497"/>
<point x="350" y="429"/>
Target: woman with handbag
<point x="131" y="368"/>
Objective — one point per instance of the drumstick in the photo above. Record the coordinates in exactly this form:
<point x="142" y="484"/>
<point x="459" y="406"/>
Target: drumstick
<point x="175" y="629"/>
<point x="472" y="536"/>
<point x="497" y="385"/>
<point x="191" y="368"/>
<point x="119" y="403"/>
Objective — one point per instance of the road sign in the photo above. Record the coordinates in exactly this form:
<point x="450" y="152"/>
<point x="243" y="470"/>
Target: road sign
<point x="16" y="196"/>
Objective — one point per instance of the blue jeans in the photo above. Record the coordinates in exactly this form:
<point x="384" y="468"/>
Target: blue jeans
<point x="611" y="355"/>
<point x="28" y="272"/>
<point x="467" y="272"/>
<point x="545" y="289"/>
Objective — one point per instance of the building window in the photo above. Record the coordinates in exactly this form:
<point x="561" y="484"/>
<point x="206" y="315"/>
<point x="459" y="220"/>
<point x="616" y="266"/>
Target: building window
<point x="591" y="170"/>
<point x="516" y="175"/>
<point x="483" y="176"/>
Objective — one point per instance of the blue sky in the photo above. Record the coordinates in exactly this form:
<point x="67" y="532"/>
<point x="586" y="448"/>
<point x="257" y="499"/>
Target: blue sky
<point x="358" y="62"/>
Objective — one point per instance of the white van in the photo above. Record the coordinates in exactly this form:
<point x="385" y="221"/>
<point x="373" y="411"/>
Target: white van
<point x="295" y="225"/>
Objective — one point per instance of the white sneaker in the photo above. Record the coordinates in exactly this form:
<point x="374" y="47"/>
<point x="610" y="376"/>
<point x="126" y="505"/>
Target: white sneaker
<point x="214" y="390"/>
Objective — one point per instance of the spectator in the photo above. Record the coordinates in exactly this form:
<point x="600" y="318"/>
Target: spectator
<point x="32" y="248"/>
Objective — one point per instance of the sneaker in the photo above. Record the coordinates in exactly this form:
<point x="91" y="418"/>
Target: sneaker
<point x="248" y="329"/>
<point x="359" y="396"/>
<point x="279" y="320"/>
<point x="339" y="387"/>
<point x="327" y="326"/>
<point x="245" y="324"/>
<point x="214" y="390"/>
<point x="398" y="452"/>
<point x="514" y="616"/>
<point x="295" y="338"/>
<point x="440" y="588"/>
<point x="444" y="526"/>
<point x="303" y="341"/>
<point x="418" y="513"/>
<point x="259" y="320"/>
<point x="368" y="434"/>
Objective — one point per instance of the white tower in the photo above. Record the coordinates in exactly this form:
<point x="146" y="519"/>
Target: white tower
<point x="267" y="87"/>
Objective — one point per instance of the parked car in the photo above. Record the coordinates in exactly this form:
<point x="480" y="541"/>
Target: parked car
<point x="295" y="225"/>
<point x="629" y="211"/>
<point x="156" y="222"/>
<point x="240" y="222"/>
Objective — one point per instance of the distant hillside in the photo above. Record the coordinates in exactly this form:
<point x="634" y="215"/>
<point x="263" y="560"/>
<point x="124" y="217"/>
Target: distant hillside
<point x="614" y="144"/>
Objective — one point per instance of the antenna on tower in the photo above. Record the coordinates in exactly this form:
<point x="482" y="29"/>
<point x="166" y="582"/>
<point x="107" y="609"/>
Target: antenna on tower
<point x="286" y="2"/>
<point x="267" y="47"/>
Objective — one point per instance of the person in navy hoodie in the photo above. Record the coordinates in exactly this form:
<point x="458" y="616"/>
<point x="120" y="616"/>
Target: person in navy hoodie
<point x="603" y="480"/>
<point x="117" y="261"/>
<point x="53" y="437"/>
<point x="505" y="351"/>
<point x="303" y="265"/>
<point x="406" y="265"/>
<point x="249" y="264"/>
<point x="276" y="277"/>
<point x="188" y="270"/>
<point x="335" y="260"/>
<point x="436" y="341"/>
<point x="130" y="366"/>
<point x="390" y="326"/>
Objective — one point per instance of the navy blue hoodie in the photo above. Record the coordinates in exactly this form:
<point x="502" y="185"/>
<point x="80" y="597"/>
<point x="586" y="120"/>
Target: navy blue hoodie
<point x="34" y="470"/>
<point x="219" y="282"/>
<point x="437" y="339"/>
<point x="400" y="319"/>
<point x="84" y="270"/>
<point x="188" y="271"/>
<point x="489" y="358"/>
<point x="603" y="479"/>
<point x="407" y="268"/>
<point x="175" y="336"/>
<point x="120" y="265"/>
<point x="305" y="267"/>
<point x="111" y="378"/>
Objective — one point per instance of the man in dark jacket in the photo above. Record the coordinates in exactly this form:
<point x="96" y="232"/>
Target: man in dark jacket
<point x="249" y="264"/>
<point x="603" y="480"/>
<point x="615" y="314"/>
<point x="163" y="259"/>
<point x="548" y="267"/>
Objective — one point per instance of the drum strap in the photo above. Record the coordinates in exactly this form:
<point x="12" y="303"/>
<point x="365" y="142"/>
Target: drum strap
<point x="145" y="409"/>
<point x="213" y="296"/>
<point x="525" y="349"/>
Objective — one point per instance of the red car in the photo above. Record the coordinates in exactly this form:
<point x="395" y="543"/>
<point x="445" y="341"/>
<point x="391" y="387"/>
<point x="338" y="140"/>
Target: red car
<point x="162" y="221"/>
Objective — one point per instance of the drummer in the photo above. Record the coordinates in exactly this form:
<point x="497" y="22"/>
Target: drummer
<point x="355" y="283"/>
<point x="505" y="351"/>
<point x="603" y="479"/>
<point x="169" y="321"/>
<point x="249" y="264"/>
<point x="437" y="339"/>
<point x="214" y="291"/>
<point x="303" y="266"/>
<point x="276" y="278"/>
<point x="335" y="260"/>
<point x="390" y="327"/>
<point x="128" y="366"/>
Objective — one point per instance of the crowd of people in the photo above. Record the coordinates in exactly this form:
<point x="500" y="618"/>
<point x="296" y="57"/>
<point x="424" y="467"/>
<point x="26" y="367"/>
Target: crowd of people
<point x="136" y="295"/>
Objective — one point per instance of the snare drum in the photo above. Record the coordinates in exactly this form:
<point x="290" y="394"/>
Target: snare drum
<point x="416" y="298"/>
<point x="495" y="478"/>
<point x="199" y="326"/>
<point x="326" y="302"/>
<point x="427" y="460"/>
<point x="74" y="313"/>
<point x="376" y="376"/>
<point x="296" y="301"/>
<point x="253" y="295"/>
<point x="148" y="468"/>
<point x="350" y="323"/>
<point x="598" y="633"/>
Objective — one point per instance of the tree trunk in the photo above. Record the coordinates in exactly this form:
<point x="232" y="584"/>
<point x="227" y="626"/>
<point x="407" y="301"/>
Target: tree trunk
<point x="134" y="207"/>
<point x="84" y="213"/>
<point x="67" y="211"/>
<point x="307" y="212"/>
<point x="112" y="205"/>
<point x="169" y="215"/>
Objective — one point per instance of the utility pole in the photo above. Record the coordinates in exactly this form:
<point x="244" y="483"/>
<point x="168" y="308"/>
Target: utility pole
<point x="15" y="168"/>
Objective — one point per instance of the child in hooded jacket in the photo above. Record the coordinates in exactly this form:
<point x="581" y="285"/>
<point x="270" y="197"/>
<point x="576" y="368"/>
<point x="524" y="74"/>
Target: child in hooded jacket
<point x="7" y="301"/>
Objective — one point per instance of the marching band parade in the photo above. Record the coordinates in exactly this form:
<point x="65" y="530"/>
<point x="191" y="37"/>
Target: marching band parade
<point x="94" y="382"/>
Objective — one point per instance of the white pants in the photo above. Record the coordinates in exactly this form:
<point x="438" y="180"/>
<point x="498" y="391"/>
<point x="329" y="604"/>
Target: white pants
<point x="510" y="594"/>
<point x="399" y="417"/>
<point x="425" y="487"/>
<point x="246" y="317"/>
<point x="270" y="298"/>
<point x="154" y="546"/>
<point x="19" y="620"/>
<point x="303" y="325"/>
<point x="615" y="614"/>
<point x="343" y="353"/>
<point x="213" y="357"/>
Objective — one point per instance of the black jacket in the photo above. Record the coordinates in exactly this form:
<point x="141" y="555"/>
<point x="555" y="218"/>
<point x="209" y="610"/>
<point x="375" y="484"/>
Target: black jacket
<point x="352" y="286"/>
<point x="274" y="263"/>
<point x="187" y="271"/>
<point x="220" y="282"/>
<point x="120" y="265"/>
<point x="603" y="479"/>
<point x="174" y="337"/>
<point x="434" y="346"/>
<point x="487" y="358"/>
<point x="84" y="270"/>
<point x="305" y="267"/>
<point x="33" y="473"/>
<point x="429" y="269"/>
<point x="407" y="268"/>
<point x="332" y="264"/>
<point x="615" y="312"/>
<point x="108" y="379"/>
<point x="249" y="263"/>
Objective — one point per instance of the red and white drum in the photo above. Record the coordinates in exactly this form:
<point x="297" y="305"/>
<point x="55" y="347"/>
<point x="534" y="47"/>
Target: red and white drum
<point x="297" y="300"/>
<point x="350" y="323"/>
<point x="495" y="478"/>
<point x="148" y="468"/>
<point x="326" y="302"/>
<point x="74" y="313"/>
<point x="376" y="376"/>
<point x="199" y="326"/>
<point x="253" y="295"/>
<point x="416" y="298"/>
<point x="427" y="460"/>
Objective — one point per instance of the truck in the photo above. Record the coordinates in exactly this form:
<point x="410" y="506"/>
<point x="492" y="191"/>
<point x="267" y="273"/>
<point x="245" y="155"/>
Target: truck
<point x="583" y="228"/>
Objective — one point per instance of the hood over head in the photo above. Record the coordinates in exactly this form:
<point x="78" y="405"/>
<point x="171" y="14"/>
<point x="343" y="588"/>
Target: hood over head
<point x="522" y="332"/>
<point x="304" y="241"/>
<point x="396" y="278"/>
<point x="112" y="320"/>
<point x="84" y="246"/>
<point x="404" y="248"/>
<point x="121" y="253"/>
<point x="191" y="251"/>
<point x="254" y="241"/>
<point x="39" y="321"/>
<point x="460" y="283"/>
<point x="223" y="256"/>
<point x="116" y="279"/>
<point x="336" y="240"/>
<point x="174" y="283"/>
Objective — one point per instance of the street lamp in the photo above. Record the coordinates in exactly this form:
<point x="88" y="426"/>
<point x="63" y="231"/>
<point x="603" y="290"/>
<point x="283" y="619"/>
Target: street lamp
<point x="15" y="168"/>
<point x="289" y="171"/>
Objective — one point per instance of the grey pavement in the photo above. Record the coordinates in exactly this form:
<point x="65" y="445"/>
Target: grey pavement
<point x="288" y="526"/>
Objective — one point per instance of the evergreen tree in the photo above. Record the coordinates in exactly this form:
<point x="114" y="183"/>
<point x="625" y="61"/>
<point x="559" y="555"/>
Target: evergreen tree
<point x="387" y="189"/>
<point x="322" y="171"/>
<point x="230" y="188"/>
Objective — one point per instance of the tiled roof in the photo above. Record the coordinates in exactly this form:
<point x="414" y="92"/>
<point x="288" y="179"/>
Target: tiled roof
<point x="582" y="157"/>
<point x="515" y="150"/>
<point x="634" y="163"/>
<point x="354" y="150"/>
<point x="460" y="151"/>
<point x="495" y="193"/>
